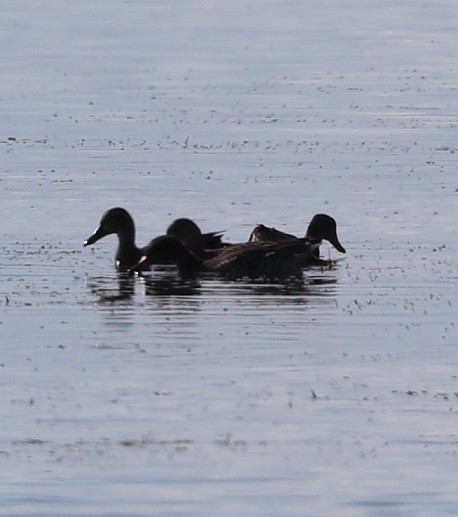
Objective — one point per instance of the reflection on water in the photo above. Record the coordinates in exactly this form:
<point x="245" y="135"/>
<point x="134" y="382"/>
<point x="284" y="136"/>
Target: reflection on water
<point x="167" y="317"/>
<point x="168" y="283"/>
<point x="165" y="282"/>
<point x="168" y="308"/>
<point x="112" y="289"/>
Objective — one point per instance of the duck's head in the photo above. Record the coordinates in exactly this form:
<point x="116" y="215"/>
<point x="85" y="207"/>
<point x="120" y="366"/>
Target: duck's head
<point x="323" y="226"/>
<point x="188" y="233"/>
<point x="161" y="250"/>
<point x="116" y="220"/>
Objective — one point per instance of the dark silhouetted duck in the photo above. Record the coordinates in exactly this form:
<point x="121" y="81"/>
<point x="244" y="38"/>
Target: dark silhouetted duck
<point x="189" y="234"/>
<point x="321" y="227"/>
<point x="272" y="260"/>
<point x="118" y="220"/>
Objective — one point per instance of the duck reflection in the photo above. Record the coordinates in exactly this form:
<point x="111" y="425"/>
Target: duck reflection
<point x="293" y="291"/>
<point x="166" y="281"/>
<point x="112" y="289"/>
<point x="166" y="287"/>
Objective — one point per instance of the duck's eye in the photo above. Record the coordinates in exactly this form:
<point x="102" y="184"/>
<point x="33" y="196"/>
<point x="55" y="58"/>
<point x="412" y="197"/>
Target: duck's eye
<point x="109" y="222"/>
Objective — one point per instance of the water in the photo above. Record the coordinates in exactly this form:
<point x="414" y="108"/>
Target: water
<point x="337" y="395"/>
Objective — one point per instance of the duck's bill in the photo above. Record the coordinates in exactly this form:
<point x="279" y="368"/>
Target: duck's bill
<point x="142" y="265"/>
<point x="96" y="236"/>
<point x="335" y="242"/>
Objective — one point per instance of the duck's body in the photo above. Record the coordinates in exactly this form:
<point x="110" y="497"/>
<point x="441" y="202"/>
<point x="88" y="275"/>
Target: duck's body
<point x="272" y="260"/>
<point x="118" y="220"/>
<point x="321" y="227"/>
<point x="254" y="260"/>
<point x="269" y="234"/>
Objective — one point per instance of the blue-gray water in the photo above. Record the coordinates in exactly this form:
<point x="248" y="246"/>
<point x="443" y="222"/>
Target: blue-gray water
<point x="337" y="396"/>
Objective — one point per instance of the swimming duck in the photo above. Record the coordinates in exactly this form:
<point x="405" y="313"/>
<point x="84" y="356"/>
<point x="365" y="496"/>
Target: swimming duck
<point x="321" y="227"/>
<point x="118" y="220"/>
<point x="190" y="235"/>
<point x="273" y="260"/>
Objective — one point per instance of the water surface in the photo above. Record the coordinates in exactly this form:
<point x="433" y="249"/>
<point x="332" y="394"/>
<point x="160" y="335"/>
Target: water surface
<point x="331" y="396"/>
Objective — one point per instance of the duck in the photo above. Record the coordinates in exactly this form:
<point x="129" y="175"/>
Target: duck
<point x="263" y="259"/>
<point x="118" y="221"/>
<point x="322" y="226"/>
<point x="190" y="235"/>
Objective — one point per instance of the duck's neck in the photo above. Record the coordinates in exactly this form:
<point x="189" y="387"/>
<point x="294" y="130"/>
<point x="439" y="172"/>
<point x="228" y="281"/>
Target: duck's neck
<point x="128" y="254"/>
<point x="126" y="238"/>
<point x="312" y="235"/>
<point x="188" y="263"/>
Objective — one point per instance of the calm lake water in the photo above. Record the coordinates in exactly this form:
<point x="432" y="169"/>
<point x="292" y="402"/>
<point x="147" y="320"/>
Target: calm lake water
<point x="337" y="395"/>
